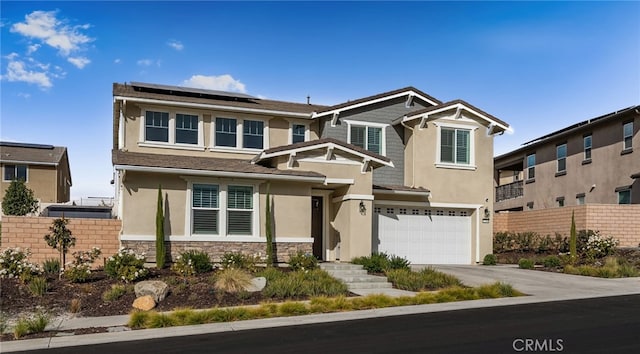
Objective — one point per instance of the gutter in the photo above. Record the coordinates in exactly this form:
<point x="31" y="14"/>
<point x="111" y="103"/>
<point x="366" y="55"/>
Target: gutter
<point x="319" y="179"/>
<point x="399" y="192"/>
<point x="30" y="163"/>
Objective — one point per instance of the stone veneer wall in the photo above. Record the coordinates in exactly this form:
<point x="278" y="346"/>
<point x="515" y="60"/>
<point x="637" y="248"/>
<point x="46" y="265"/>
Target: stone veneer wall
<point x="217" y="249"/>
<point x="621" y="222"/>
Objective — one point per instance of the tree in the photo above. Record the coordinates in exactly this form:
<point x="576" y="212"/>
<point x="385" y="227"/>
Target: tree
<point x="269" y="229"/>
<point x="573" y="239"/>
<point x="60" y="237"/>
<point x="19" y="199"/>
<point x="160" y="249"/>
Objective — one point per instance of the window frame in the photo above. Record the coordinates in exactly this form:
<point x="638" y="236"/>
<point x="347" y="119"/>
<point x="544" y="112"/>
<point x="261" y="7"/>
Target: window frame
<point x="15" y="172"/>
<point x="367" y="125"/>
<point x="620" y="192"/>
<point x="197" y="130"/>
<point x="223" y="228"/>
<point x="472" y="146"/>
<point x="587" y="149"/>
<point x="291" y="131"/>
<point x="171" y="141"/>
<point x="246" y="135"/>
<point x="563" y="159"/>
<point x="217" y="208"/>
<point x="625" y="136"/>
<point x="531" y="168"/>
<point x="239" y="133"/>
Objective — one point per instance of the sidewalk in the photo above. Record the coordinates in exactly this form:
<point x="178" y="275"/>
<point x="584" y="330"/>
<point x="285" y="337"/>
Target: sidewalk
<point x="540" y="286"/>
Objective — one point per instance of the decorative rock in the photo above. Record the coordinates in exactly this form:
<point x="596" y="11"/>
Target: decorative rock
<point x="257" y="284"/>
<point x="157" y="289"/>
<point x="144" y="303"/>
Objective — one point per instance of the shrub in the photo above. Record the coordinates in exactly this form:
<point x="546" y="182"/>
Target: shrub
<point x="490" y="259"/>
<point x="79" y="271"/>
<point x="75" y="305"/>
<point x="525" y="263"/>
<point x="598" y="247"/>
<point x="51" y="266"/>
<point x="376" y="263"/>
<point x="551" y="262"/>
<point x="38" y="286"/>
<point x="238" y="260"/>
<point x="160" y="247"/>
<point x="397" y="262"/>
<point x="35" y="324"/>
<point x="232" y="280"/>
<point x="114" y="293"/>
<point x="192" y="262"/>
<point x="13" y="263"/>
<point x="19" y="199"/>
<point x="302" y="261"/>
<point x="126" y="265"/>
<point x="426" y="279"/>
<point x="315" y="282"/>
<point x="271" y="273"/>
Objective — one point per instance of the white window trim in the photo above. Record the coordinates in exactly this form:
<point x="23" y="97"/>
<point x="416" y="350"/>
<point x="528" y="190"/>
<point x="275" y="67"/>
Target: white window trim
<point x="383" y="136"/>
<point x="306" y="131"/>
<point x="584" y="146"/>
<point x="558" y="158"/>
<point x="172" y="130"/>
<point x="472" y="146"/>
<point x="223" y="185"/>
<point x="15" y="171"/>
<point x="625" y="136"/>
<point x="239" y="135"/>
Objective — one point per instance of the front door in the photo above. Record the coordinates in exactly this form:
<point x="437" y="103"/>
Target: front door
<point x="316" y="226"/>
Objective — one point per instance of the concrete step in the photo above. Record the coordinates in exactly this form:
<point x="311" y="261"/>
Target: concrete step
<point x="346" y="272"/>
<point x="340" y="266"/>
<point x="355" y="276"/>
<point x="361" y="278"/>
<point x="385" y="285"/>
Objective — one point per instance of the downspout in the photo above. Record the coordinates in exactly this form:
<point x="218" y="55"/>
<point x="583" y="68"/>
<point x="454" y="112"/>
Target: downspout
<point x="121" y="125"/>
<point x="413" y="152"/>
<point x="478" y="234"/>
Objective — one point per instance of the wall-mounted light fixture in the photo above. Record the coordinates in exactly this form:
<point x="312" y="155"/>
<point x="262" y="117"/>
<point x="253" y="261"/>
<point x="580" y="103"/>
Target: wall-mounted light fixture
<point x="487" y="213"/>
<point x="363" y="208"/>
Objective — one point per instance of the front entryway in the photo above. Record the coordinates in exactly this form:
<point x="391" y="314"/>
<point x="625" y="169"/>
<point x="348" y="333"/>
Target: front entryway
<point x="316" y="226"/>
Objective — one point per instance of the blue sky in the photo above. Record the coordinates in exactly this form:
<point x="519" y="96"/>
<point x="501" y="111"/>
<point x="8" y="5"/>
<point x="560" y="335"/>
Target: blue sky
<point x="540" y="66"/>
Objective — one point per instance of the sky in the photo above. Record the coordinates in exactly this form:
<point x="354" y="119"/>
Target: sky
<point x="539" y="66"/>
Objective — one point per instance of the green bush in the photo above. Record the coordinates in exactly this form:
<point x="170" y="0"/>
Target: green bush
<point x="126" y="265"/>
<point x="304" y="284"/>
<point x="302" y="261"/>
<point x="51" y="266"/>
<point x="490" y="259"/>
<point x="79" y="271"/>
<point x="14" y="264"/>
<point x="113" y="294"/>
<point x="551" y="262"/>
<point x="238" y="260"/>
<point x="381" y="262"/>
<point x="397" y="262"/>
<point x="19" y="199"/>
<point x="38" y="286"/>
<point x="525" y="263"/>
<point x="423" y="280"/>
<point x="192" y="262"/>
<point x="270" y="273"/>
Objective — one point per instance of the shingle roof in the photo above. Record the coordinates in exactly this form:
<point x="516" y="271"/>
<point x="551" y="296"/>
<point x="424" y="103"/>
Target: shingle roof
<point x="380" y="95"/>
<point x="325" y="141"/>
<point x="31" y="153"/>
<point x="635" y="175"/>
<point x="399" y="188"/>
<point x="200" y="163"/>
<point x="451" y="103"/>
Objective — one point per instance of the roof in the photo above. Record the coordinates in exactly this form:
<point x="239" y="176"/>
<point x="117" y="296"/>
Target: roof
<point x="452" y="104"/>
<point x="169" y="94"/>
<point x="406" y="90"/>
<point x="201" y="163"/>
<point x="35" y="154"/>
<point x="321" y="143"/>
<point x="392" y="188"/>
<point x="635" y="175"/>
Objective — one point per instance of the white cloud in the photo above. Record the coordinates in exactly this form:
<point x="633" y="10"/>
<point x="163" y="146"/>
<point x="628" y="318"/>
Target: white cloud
<point x="117" y="61"/>
<point x="148" y="62"/>
<point x="177" y="45"/>
<point x="223" y="83"/>
<point x="44" y="25"/>
<point x="24" y="95"/>
<point x="79" y="62"/>
<point x="18" y="70"/>
<point x="32" y="48"/>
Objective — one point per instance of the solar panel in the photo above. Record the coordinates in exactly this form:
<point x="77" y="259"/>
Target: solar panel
<point x="192" y="90"/>
<point x="26" y="145"/>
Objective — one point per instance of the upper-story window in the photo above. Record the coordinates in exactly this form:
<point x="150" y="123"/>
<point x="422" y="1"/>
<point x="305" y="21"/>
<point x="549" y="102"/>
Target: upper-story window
<point x="369" y="136"/>
<point x="561" y="157"/>
<point x="587" y="146"/>
<point x="627" y="135"/>
<point x="156" y="126"/>
<point x="455" y="146"/>
<point x="226" y="130"/>
<point x="298" y="132"/>
<point x="239" y="133"/>
<point x="531" y="166"/>
<point x="15" y="172"/>
<point x="186" y="129"/>
<point x="253" y="134"/>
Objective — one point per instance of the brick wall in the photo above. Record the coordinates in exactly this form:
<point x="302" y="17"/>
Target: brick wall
<point x="619" y="221"/>
<point x="28" y="232"/>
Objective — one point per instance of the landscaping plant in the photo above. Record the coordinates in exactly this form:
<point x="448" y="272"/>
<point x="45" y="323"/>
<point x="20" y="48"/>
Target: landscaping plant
<point x="60" y="237"/>
<point x="126" y="265"/>
<point x="14" y="264"/>
<point x="238" y="260"/>
<point x="573" y="251"/>
<point x="380" y="262"/>
<point x="51" y="266"/>
<point x="302" y="261"/>
<point x="19" y="199"/>
<point x="525" y="263"/>
<point x="160" y="249"/>
<point x="232" y="280"/>
<point x="79" y="271"/>
<point x="490" y="259"/>
<point x="192" y="262"/>
<point x="269" y="229"/>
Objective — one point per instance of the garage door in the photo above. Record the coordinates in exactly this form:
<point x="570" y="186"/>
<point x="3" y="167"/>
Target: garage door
<point x="423" y="236"/>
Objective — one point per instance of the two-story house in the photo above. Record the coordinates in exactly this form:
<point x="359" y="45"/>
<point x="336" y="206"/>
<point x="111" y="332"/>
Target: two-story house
<point x="591" y="162"/>
<point x="44" y="168"/>
<point x="399" y="172"/>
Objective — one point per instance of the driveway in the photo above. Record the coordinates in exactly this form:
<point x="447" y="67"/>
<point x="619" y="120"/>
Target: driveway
<point x="545" y="286"/>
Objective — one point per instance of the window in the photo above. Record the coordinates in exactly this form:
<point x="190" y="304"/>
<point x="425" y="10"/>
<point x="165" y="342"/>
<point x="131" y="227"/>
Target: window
<point x="560" y="201"/>
<point x="403" y="211"/>
<point x="390" y="211"/>
<point x="455" y="146"/>
<point x="452" y="213"/>
<point x="376" y="210"/>
<point x="624" y="195"/>
<point x="297" y="133"/>
<point x="530" y="205"/>
<point x="368" y="138"/>
<point x="587" y="147"/>
<point x="15" y="172"/>
<point x="440" y="212"/>
<point x="463" y="213"/>
<point x="415" y="212"/>
<point x="627" y="135"/>
<point x="253" y="134"/>
<point x="226" y="132"/>
<point x="580" y="199"/>
<point x="427" y="212"/>
<point x="561" y="156"/>
<point x="186" y="129"/>
<point x="156" y="126"/>
<point x="239" y="210"/>
<point x="531" y="166"/>
<point x="205" y="209"/>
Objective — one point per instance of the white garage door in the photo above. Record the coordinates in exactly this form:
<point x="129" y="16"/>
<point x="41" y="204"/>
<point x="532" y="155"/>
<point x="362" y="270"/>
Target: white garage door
<point x="424" y="235"/>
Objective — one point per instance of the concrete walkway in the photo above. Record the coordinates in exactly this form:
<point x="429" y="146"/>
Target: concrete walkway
<point x="540" y="286"/>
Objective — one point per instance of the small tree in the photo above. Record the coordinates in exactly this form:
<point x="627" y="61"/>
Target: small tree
<point x="269" y="229"/>
<point x="19" y="199"/>
<point x="573" y="239"/>
<point x="160" y="250"/>
<point x="60" y="237"/>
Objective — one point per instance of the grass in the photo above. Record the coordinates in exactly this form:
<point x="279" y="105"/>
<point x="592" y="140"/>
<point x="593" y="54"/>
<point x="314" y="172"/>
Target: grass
<point x="311" y="283"/>
<point x="113" y="294"/>
<point x="322" y="304"/>
<point x="35" y="324"/>
<point x="38" y="286"/>
<point x="423" y="280"/>
<point x="232" y="280"/>
<point x="613" y="267"/>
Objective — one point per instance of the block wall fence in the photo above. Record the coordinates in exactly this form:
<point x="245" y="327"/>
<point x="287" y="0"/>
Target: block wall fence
<point x="621" y="222"/>
<point x="28" y="232"/>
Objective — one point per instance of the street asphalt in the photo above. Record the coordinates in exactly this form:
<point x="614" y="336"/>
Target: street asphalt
<point x="539" y="286"/>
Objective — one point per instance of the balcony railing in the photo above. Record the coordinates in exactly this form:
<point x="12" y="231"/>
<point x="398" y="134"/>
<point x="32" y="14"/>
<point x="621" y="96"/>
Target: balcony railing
<point x="509" y="191"/>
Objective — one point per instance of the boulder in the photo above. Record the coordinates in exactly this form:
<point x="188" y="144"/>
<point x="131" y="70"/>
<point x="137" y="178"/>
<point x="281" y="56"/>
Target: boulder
<point x="144" y="303"/>
<point x="257" y="284"/>
<point x="157" y="289"/>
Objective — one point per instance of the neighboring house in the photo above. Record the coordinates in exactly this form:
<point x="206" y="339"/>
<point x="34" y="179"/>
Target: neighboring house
<point x="399" y="172"/>
<point x="591" y="162"/>
<point x="44" y="168"/>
